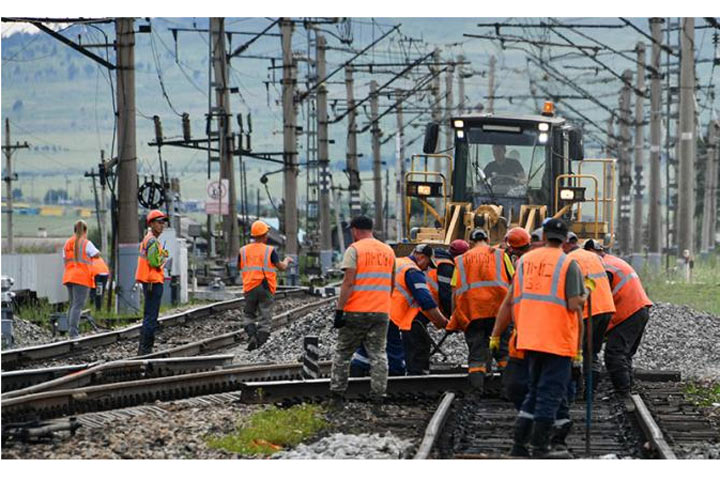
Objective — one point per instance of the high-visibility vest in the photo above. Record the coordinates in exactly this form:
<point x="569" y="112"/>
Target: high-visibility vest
<point x="403" y="307"/>
<point x="513" y="351"/>
<point x="145" y="273"/>
<point x="77" y="270"/>
<point x="482" y="283"/>
<point x="543" y="322"/>
<point x="592" y="267"/>
<point x="98" y="267"/>
<point x="255" y="266"/>
<point x="627" y="290"/>
<point x="434" y="279"/>
<point x="373" y="278"/>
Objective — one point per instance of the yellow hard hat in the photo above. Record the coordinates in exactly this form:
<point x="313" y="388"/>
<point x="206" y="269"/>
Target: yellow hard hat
<point x="259" y="228"/>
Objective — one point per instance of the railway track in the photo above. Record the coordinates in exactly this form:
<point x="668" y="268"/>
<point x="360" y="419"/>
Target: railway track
<point x="175" y="332"/>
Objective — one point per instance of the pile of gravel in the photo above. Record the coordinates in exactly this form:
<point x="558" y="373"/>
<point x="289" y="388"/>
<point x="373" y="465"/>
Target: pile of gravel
<point x="27" y="334"/>
<point x="347" y="446"/>
<point x="680" y="338"/>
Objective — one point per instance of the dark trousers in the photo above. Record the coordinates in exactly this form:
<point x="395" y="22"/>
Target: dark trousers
<point x="548" y="377"/>
<point x="599" y="326"/>
<point x="515" y="381"/>
<point x="622" y="343"/>
<point x="417" y="344"/>
<point x="153" y="296"/>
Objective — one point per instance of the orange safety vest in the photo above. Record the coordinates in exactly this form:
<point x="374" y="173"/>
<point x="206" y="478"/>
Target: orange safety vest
<point x="98" y="267"/>
<point x="145" y="273"/>
<point x="482" y="285"/>
<point x="543" y="322"/>
<point x="592" y="267"/>
<point x="77" y="271"/>
<point x="403" y="307"/>
<point x="627" y="291"/>
<point x="434" y="281"/>
<point x="255" y="266"/>
<point x="513" y="351"/>
<point x="373" y="281"/>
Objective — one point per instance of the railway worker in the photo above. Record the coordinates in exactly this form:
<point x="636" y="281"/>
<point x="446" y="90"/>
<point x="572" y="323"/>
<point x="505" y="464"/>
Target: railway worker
<point x="363" y="309"/>
<point x="603" y="306"/>
<point x="517" y="242"/>
<point x="150" y="274"/>
<point x="480" y="281"/>
<point x="259" y="264"/>
<point x="626" y="327"/>
<point x="78" y="253"/>
<point x="547" y="296"/>
<point x="413" y="307"/>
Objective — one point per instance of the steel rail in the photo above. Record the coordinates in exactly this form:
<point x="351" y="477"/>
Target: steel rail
<point x="652" y="432"/>
<point x="118" y="370"/>
<point x="15" y="357"/>
<point x="192" y="349"/>
<point x="435" y="426"/>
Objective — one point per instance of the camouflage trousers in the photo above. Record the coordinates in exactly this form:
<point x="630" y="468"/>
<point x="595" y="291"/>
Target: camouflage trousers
<point x="369" y="330"/>
<point x="258" y="303"/>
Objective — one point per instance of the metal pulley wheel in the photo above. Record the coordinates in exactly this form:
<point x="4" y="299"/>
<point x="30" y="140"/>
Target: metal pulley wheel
<point x="151" y="195"/>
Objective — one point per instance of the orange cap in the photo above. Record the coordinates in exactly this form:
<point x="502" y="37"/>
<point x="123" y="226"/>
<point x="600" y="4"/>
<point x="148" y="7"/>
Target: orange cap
<point x="154" y="215"/>
<point x="517" y="237"/>
<point x="259" y="228"/>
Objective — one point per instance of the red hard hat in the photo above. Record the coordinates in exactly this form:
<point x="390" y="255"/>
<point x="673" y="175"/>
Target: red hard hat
<point x="517" y="237"/>
<point x="154" y="215"/>
<point x="458" y="247"/>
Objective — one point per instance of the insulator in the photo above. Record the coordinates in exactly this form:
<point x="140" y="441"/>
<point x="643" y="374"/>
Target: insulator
<point x="158" y="129"/>
<point x="186" y="126"/>
<point x="240" y="122"/>
<point x="249" y="122"/>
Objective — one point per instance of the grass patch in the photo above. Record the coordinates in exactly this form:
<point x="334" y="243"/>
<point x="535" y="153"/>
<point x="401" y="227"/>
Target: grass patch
<point x="700" y="294"/>
<point x="271" y="430"/>
<point x="704" y="394"/>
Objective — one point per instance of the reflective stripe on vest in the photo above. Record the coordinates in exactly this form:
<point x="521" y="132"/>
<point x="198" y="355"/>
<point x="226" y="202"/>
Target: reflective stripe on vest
<point x="627" y="290"/>
<point x="498" y="282"/>
<point x="254" y="274"/>
<point x="146" y="273"/>
<point x="592" y="267"/>
<point x="77" y="270"/>
<point x="553" y="297"/>
<point x="403" y="308"/>
<point x="371" y="291"/>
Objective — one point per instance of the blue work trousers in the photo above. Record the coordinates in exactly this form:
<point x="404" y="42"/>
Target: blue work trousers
<point x="153" y="296"/>
<point x="548" y="378"/>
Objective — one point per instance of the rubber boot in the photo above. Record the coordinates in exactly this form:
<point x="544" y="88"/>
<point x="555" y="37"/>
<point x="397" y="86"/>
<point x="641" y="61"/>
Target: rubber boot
<point x="540" y="439"/>
<point x="251" y="330"/>
<point x="558" y="444"/>
<point x="521" y="437"/>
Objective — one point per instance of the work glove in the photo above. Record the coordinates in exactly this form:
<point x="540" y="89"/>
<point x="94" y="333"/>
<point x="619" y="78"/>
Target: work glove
<point x="494" y="344"/>
<point x="577" y="366"/>
<point x="339" y="320"/>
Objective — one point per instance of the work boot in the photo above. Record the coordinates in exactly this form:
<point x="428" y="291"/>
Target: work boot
<point x="251" y="330"/>
<point x="558" y="437"/>
<point x="540" y="439"/>
<point x="521" y="437"/>
<point x="261" y="337"/>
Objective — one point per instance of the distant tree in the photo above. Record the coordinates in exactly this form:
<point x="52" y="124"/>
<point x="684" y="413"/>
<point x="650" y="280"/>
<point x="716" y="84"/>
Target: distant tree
<point x="53" y="196"/>
<point x="17" y="193"/>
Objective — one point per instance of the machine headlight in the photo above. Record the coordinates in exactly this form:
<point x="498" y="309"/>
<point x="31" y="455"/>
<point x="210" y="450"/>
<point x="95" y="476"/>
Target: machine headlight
<point x="424" y="190"/>
<point x="567" y="194"/>
<point x="543" y="138"/>
<point x="458" y="124"/>
<point x="460" y="134"/>
<point x="543" y="127"/>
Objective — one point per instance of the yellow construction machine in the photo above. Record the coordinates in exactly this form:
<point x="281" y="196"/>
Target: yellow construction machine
<point x="506" y="171"/>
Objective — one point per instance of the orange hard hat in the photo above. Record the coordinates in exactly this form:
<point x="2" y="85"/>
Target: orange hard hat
<point x="517" y="237"/>
<point x="154" y="215"/>
<point x="259" y="228"/>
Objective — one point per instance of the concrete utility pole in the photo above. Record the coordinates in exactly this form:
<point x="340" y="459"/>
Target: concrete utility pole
<point x="128" y="300"/>
<point x="449" y="131"/>
<point x="624" y="230"/>
<point x="400" y="169"/>
<point x="491" y="85"/>
<point x="461" y="84"/>
<point x="435" y="100"/>
<point x="654" y="215"/>
<point x="9" y="178"/>
<point x="686" y="182"/>
<point x="323" y="153"/>
<point x="709" y="219"/>
<point x="611" y="151"/>
<point x="638" y="219"/>
<point x="377" y="163"/>
<point x="289" y="83"/>
<point x="225" y="138"/>
<point x="351" y="156"/>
